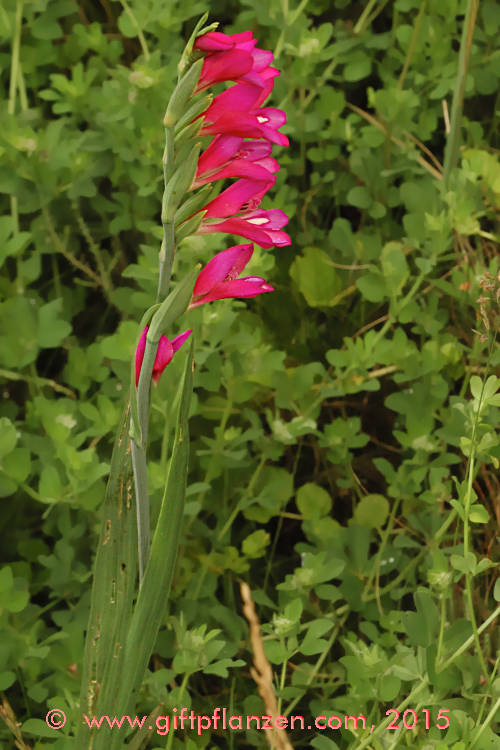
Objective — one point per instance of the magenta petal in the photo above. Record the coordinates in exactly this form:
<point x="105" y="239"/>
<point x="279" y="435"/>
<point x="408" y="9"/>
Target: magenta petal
<point x="240" y="168"/>
<point x="254" y="150"/>
<point x="243" y="37"/>
<point x="261" y="236"/>
<point x="262" y="58"/>
<point x="274" y="136"/>
<point x="164" y="355"/>
<point x="277" y="238"/>
<point x="238" y="289"/>
<point x="139" y="354"/>
<point x="266" y="87"/>
<point x="273" y="218"/>
<point x="218" y="153"/>
<point x="241" y="193"/>
<point x="255" y="124"/>
<point x="178" y="341"/>
<point x="271" y="117"/>
<point x="243" y="124"/>
<point x="216" y="40"/>
<point x="270" y="164"/>
<point x="269" y="73"/>
<point x="224" y="66"/>
<point x="256" y="79"/>
<point x="242" y="97"/>
<point x="250" y="286"/>
<point x="228" y="263"/>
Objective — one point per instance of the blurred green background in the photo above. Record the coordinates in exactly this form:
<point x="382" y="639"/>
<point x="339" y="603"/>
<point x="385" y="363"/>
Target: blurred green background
<point x="332" y="420"/>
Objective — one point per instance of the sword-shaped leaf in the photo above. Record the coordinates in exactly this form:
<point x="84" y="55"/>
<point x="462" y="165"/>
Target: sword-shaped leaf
<point x="149" y="611"/>
<point x="113" y="591"/>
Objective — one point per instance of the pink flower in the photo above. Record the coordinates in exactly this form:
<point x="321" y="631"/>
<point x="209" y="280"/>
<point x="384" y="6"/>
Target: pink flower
<point x="218" y="279"/>
<point x="227" y="59"/>
<point x="232" y="156"/>
<point x="263" y="123"/>
<point x="237" y="111"/>
<point x="242" y="194"/>
<point x="234" y="116"/>
<point x="262" y="227"/>
<point x="238" y="206"/>
<point x="243" y="97"/>
<point x="216" y="41"/>
<point x="224" y="66"/>
<point x="165" y="352"/>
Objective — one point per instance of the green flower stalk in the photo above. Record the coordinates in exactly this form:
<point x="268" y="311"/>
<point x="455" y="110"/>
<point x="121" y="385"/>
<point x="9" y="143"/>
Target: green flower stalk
<point x="133" y="576"/>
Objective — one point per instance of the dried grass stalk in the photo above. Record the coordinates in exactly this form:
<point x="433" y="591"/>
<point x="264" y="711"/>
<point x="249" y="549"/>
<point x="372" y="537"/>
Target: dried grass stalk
<point x="262" y="672"/>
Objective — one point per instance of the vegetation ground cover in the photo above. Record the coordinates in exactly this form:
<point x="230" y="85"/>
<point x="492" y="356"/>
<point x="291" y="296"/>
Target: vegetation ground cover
<point x="344" y="454"/>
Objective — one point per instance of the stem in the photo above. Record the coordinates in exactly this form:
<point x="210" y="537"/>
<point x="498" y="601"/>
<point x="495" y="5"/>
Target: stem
<point x="140" y="35"/>
<point x="467" y="506"/>
<point x="465" y="645"/>
<point x="184" y="683"/>
<point x="39" y="381"/>
<point x="375" y="568"/>
<point x="142" y="498"/>
<point x="363" y="17"/>
<point x="441" y="629"/>
<point x="240" y="503"/>
<point x="139" y="456"/>
<point x="317" y="666"/>
<point x="453" y="142"/>
<point x="398" y="579"/>
<point x="383" y="725"/>
<point x="139" y="460"/>
<point x="15" y="73"/>
<point x="95" y="250"/>
<point x="167" y="252"/>
<point x="411" y="46"/>
<point x="14" y="69"/>
<point x="282" y="684"/>
<point x="486" y="723"/>
<point x="61" y="245"/>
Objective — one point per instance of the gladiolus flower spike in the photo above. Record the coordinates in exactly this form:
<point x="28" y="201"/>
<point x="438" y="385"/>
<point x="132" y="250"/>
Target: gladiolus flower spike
<point x="219" y="278"/>
<point x="244" y="132"/>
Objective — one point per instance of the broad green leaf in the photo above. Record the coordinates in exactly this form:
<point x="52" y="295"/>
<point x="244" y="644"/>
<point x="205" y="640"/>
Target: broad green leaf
<point x="479" y="514"/>
<point x="390" y="686"/>
<point x="313" y="643"/>
<point x="8" y="436"/>
<point x="372" y="286"/>
<point x="6" y="578"/>
<point x="360" y="197"/>
<point x="255" y="544"/>
<point x="422" y="625"/>
<point x="316" y="277"/>
<point x="17" y="463"/>
<point x="496" y="591"/>
<point x="372" y="511"/>
<point x="7" y="679"/>
<point x="313" y="501"/>
<point x="39" y="728"/>
<point x="394" y="267"/>
<point x="52" y="329"/>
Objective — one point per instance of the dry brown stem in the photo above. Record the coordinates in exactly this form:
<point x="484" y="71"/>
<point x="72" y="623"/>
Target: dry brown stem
<point x="262" y="673"/>
<point x="8" y="716"/>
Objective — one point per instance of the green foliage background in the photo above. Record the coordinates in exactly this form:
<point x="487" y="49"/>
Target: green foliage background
<point x="332" y="420"/>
